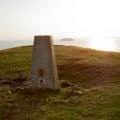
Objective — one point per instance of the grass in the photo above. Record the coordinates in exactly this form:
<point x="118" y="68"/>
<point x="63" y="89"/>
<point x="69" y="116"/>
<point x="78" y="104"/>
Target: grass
<point x="95" y="75"/>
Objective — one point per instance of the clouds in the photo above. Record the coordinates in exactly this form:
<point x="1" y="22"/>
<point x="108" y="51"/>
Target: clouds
<point x="69" y="18"/>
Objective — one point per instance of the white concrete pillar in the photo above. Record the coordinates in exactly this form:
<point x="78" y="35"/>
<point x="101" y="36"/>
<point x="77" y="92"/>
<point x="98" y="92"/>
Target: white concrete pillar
<point x="44" y="70"/>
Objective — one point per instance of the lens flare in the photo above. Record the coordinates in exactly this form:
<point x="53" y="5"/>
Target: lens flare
<point x="106" y="44"/>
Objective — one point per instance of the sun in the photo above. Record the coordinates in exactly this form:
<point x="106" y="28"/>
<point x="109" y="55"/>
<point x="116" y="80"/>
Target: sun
<point x="106" y="44"/>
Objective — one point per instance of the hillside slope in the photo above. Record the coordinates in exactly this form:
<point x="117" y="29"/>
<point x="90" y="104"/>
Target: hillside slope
<point x="93" y="95"/>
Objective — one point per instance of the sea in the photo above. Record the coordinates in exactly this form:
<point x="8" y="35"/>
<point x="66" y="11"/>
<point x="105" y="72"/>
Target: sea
<point x="104" y="44"/>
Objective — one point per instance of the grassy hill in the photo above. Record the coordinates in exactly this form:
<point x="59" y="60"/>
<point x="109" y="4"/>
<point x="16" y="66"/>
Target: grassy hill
<point x="93" y="92"/>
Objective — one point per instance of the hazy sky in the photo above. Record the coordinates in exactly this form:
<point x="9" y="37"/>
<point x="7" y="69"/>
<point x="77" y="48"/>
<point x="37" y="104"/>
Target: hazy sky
<point x="22" y="19"/>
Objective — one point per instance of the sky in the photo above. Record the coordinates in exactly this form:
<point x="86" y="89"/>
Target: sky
<point x="22" y="19"/>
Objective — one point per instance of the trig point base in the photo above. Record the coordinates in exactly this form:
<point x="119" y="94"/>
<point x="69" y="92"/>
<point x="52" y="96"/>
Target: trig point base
<point x="44" y="71"/>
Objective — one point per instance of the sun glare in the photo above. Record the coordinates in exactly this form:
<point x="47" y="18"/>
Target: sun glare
<point x="106" y="44"/>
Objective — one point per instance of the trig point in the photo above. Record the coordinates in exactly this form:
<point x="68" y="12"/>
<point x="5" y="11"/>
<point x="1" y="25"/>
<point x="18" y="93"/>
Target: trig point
<point x="44" y="71"/>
